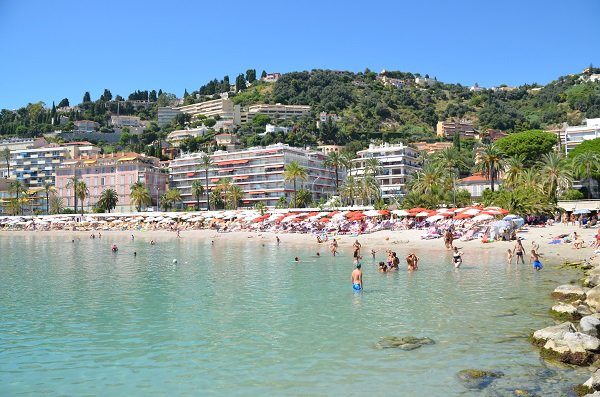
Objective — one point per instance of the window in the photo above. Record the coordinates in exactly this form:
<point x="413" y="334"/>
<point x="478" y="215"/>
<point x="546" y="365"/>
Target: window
<point x="102" y="181"/>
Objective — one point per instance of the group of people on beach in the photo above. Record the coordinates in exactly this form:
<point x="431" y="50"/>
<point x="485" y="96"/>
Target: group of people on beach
<point x="519" y="252"/>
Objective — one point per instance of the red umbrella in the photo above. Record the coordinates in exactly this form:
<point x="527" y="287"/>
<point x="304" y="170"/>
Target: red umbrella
<point x="463" y="216"/>
<point x="324" y="220"/>
<point x="384" y="212"/>
<point x="332" y="213"/>
<point x="418" y="209"/>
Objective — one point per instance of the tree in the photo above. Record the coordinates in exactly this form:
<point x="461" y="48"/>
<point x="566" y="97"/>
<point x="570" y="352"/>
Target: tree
<point x="593" y="145"/>
<point x="63" y="103"/>
<point x="531" y="144"/>
<point x="490" y="163"/>
<point x="170" y="199"/>
<point x="18" y="189"/>
<point x="555" y="173"/>
<point x="260" y="207"/>
<point x="140" y="196"/>
<point x="152" y="97"/>
<point x="513" y="168"/>
<point x="292" y="172"/>
<point x="234" y="195"/>
<point x="6" y="158"/>
<point x="56" y="204"/>
<point x="303" y="198"/>
<point x="372" y="166"/>
<point x="240" y="83"/>
<point x="426" y="180"/>
<point x="449" y="159"/>
<point x="82" y="192"/>
<point x="226" y="85"/>
<point x="206" y="164"/>
<point x="108" y="200"/>
<point x="585" y="165"/>
<point x="251" y="75"/>
<point x="335" y="160"/>
<point x="456" y="140"/>
<point x="48" y="188"/>
<point x="197" y="192"/>
<point x="106" y="96"/>
<point x="349" y="190"/>
<point x="263" y="74"/>
<point x="72" y="184"/>
<point x="86" y="97"/>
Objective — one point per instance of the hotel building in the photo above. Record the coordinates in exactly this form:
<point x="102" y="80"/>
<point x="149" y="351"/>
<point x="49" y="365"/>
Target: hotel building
<point x="224" y="108"/>
<point x="278" y="111"/>
<point x="573" y="136"/>
<point x="398" y="162"/>
<point x="37" y="166"/>
<point x="118" y="171"/>
<point x="258" y="171"/>
<point x="447" y="129"/>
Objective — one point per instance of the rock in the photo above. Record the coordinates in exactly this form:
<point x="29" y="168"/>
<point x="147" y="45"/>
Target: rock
<point x="569" y="292"/>
<point x="564" y="308"/>
<point x="584" y="310"/>
<point x="477" y="379"/>
<point x="594" y="394"/>
<point x="590" y="325"/>
<point x="403" y="343"/>
<point x="594" y="381"/>
<point x="593" y="298"/>
<point x="592" y="280"/>
<point x="580" y="342"/>
<point x="554" y="332"/>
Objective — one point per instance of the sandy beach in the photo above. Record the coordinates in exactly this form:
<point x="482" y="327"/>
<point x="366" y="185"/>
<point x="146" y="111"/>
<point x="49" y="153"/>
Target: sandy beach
<point x="402" y="241"/>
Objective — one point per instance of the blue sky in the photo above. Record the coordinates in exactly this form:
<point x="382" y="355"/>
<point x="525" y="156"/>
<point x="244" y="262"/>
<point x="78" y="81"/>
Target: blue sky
<point x="56" y="49"/>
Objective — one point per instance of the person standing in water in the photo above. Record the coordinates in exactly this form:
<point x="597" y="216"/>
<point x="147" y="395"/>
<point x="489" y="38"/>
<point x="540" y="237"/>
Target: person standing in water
<point x="535" y="258"/>
<point x="457" y="257"/>
<point x="357" y="281"/>
<point x="519" y="251"/>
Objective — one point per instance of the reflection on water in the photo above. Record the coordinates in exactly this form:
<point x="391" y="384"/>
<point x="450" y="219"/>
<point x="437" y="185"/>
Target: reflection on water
<point x="243" y="318"/>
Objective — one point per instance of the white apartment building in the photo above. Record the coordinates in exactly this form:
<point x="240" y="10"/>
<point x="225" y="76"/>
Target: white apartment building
<point x="258" y="171"/>
<point x="224" y="108"/>
<point x="398" y="162"/>
<point x="175" y="137"/>
<point x="22" y="143"/>
<point x="271" y="129"/>
<point x="278" y="111"/>
<point x="573" y="136"/>
<point x="166" y="115"/>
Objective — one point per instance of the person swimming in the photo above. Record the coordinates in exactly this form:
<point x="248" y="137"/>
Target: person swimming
<point x="382" y="267"/>
<point x="296" y="259"/>
<point x="114" y="248"/>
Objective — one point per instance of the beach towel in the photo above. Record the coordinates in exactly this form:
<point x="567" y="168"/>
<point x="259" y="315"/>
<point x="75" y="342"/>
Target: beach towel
<point x="555" y="242"/>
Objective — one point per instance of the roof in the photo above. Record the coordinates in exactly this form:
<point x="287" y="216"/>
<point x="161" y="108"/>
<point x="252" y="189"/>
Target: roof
<point x="475" y="178"/>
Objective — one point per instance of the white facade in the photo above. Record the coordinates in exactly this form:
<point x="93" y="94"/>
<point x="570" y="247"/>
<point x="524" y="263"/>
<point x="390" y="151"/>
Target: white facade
<point x="271" y="129"/>
<point x="175" y="137"/>
<point x="166" y="115"/>
<point x="573" y="136"/>
<point x="278" y="111"/>
<point x="398" y="162"/>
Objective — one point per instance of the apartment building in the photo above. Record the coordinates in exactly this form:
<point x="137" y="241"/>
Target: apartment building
<point x="447" y="129"/>
<point x="166" y="115"/>
<point x="85" y="126"/>
<point x="22" y="143"/>
<point x="325" y="117"/>
<point x="176" y="137"/>
<point x="125" y="121"/>
<point x="432" y="147"/>
<point x="278" y="111"/>
<point x="398" y="162"/>
<point x="573" y="136"/>
<point x="223" y="107"/>
<point x="118" y="171"/>
<point x="271" y="77"/>
<point x="258" y="171"/>
<point x="37" y="166"/>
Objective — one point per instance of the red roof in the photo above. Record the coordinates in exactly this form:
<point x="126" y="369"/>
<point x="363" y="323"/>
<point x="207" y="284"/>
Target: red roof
<point x="474" y="178"/>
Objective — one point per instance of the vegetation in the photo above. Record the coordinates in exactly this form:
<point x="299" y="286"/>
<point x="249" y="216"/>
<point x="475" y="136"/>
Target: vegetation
<point x="140" y="196"/>
<point x="293" y="171"/>
<point x="197" y="192"/>
<point x="108" y="200"/>
<point x="170" y="199"/>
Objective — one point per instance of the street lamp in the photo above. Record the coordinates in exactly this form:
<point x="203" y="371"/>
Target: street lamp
<point x="312" y="186"/>
<point x="157" y="200"/>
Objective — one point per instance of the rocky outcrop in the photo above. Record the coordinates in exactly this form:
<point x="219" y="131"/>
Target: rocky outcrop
<point x="403" y="343"/>
<point x="592" y="298"/>
<point x="565" y="311"/>
<point x="590" y="325"/>
<point x="569" y="292"/>
<point x="477" y="379"/>
<point x="554" y="332"/>
<point x="594" y="381"/>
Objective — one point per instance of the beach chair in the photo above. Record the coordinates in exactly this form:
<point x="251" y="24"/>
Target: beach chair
<point x="469" y="235"/>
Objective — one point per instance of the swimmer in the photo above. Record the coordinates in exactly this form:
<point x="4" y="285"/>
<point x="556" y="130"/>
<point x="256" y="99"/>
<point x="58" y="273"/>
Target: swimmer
<point x="134" y="253"/>
<point x="114" y="248"/>
<point x="132" y="238"/>
<point x="412" y="262"/>
<point x="99" y="235"/>
<point x="72" y="241"/>
<point x="318" y="254"/>
<point x="278" y="240"/>
<point x="519" y="251"/>
<point x="357" y="246"/>
<point x="457" y="257"/>
<point x="334" y="246"/>
<point x="296" y="259"/>
<point x="178" y="234"/>
<point x="382" y="267"/>
<point x="212" y="242"/>
<point x="373" y="252"/>
<point x="509" y="256"/>
<point x="152" y="242"/>
<point x="357" y="281"/>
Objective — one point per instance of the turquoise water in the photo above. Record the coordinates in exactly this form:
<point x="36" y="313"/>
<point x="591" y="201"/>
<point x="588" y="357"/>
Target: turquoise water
<point x="239" y="318"/>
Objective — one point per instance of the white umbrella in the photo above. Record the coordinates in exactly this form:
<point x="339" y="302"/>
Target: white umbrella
<point x="511" y="216"/>
<point x="371" y="213"/>
<point x="434" y="218"/>
<point x="581" y="211"/>
<point x="400" y="212"/>
<point x="423" y="213"/>
<point x="483" y="217"/>
<point x="471" y="211"/>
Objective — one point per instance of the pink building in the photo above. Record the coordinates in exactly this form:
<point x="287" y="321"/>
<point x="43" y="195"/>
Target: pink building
<point x="116" y="171"/>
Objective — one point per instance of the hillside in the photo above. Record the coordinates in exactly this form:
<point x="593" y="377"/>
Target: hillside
<point x="392" y="106"/>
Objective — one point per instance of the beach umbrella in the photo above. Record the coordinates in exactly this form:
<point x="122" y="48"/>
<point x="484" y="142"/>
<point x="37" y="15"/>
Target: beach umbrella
<point x="581" y="211"/>
<point x="325" y="220"/>
<point x="471" y="211"/>
<point x="499" y="224"/>
<point x="483" y="217"/>
<point x="400" y="212"/>
<point x="418" y="209"/>
<point x="434" y="218"/>
<point x="509" y="217"/>
<point x="518" y="221"/>
<point x="491" y="212"/>
<point x="423" y="213"/>
<point x="384" y="212"/>
<point x="372" y="213"/>
<point x="462" y="215"/>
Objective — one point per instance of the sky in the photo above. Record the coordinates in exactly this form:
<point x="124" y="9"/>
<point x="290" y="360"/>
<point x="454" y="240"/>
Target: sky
<point x="62" y="48"/>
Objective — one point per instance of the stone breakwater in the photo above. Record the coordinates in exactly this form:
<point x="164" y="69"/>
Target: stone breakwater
<point x="575" y="341"/>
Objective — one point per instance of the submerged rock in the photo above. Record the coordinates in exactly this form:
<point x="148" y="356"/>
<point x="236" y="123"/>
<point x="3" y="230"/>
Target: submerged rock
<point x="594" y="381"/>
<point x="403" y="343"/>
<point x="476" y="378"/>
<point x="592" y="280"/>
<point x="569" y="292"/>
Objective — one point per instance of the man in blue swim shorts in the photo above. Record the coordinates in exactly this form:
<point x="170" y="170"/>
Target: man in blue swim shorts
<point x="535" y="258"/>
<point x="357" y="283"/>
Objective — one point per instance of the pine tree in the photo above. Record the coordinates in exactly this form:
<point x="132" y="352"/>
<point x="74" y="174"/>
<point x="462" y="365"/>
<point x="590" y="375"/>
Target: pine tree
<point x="226" y="85"/>
<point x="185" y="93"/>
<point x="152" y="97"/>
<point x="86" y="97"/>
<point x="251" y="75"/>
<point x="263" y="74"/>
<point x="240" y="83"/>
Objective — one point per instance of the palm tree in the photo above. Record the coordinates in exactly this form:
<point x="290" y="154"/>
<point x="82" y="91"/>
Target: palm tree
<point x="56" y="204"/>
<point x="292" y="172"/>
<point x="108" y="200"/>
<point x="490" y="162"/>
<point x="72" y="184"/>
<point x="335" y="160"/>
<point x="349" y="190"/>
<point x="170" y="199"/>
<point x="556" y="174"/>
<point x="19" y="190"/>
<point x="260" y="207"/>
<point x="530" y="180"/>
<point x="304" y="197"/>
<point x="369" y="189"/>
<point x="82" y="192"/>
<point x="206" y="163"/>
<point x="426" y="180"/>
<point x="585" y="165"/>
<point x="449" y="159"/>
<point x="513" y="168"/>
<point x="140" y="195"/>
<point x="197" y="191"/>
<point x="372" y="166"/>
<point x="234" y="196"/>
<point x="223" y="186"/>
<point x="347" y="158"/>
<point x="48" y="187"/>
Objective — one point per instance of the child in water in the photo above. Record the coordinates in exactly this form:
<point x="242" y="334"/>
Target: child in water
<point x="535" y="258"/>
<point x="509" y="256"/>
